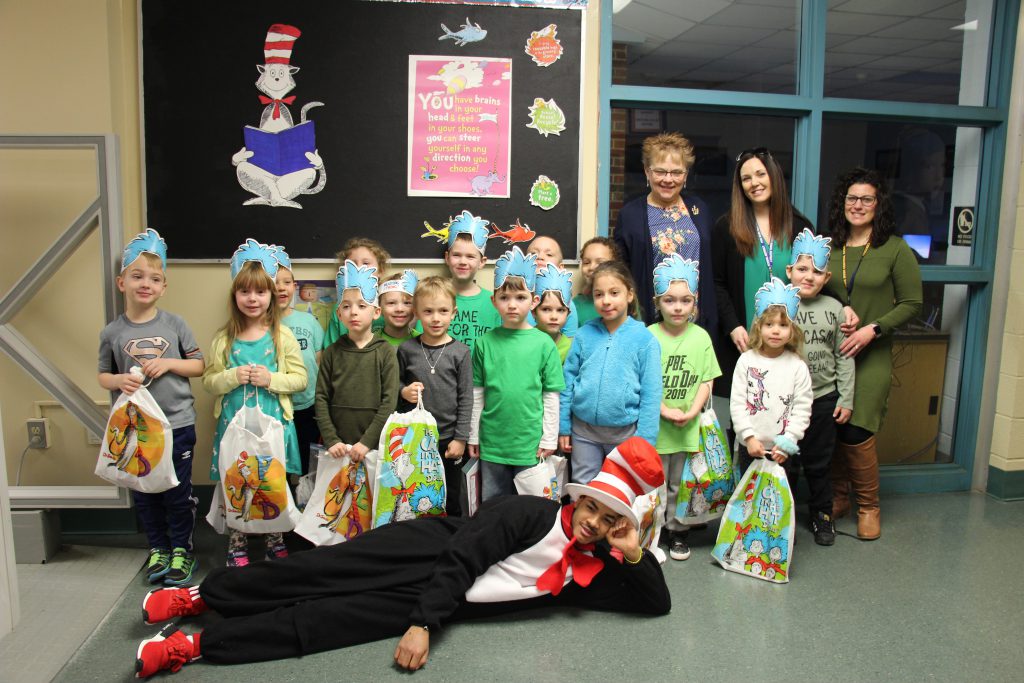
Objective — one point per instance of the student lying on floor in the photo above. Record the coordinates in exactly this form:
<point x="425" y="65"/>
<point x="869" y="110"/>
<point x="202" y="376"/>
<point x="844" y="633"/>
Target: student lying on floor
<point x="413" y="577"/>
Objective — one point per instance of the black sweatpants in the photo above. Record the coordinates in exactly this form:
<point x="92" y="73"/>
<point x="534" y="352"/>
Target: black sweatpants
<point x="815" y="456"/>
<point x="453" y="479"/>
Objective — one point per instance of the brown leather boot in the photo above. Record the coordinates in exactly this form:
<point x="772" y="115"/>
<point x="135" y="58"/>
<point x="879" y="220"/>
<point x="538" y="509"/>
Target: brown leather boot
<point x="840" y="480"/>
<point x="863" y="468"/>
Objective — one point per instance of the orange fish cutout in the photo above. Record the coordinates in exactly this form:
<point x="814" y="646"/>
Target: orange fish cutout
<point x="517" y="232"/>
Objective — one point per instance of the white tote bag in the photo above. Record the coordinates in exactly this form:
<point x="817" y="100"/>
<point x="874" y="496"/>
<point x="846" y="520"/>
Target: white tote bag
<point x="137" y="444"/>
<point x="253" y="480"/>
<point x="340" y="507"/>
<point x="545" y="479"/>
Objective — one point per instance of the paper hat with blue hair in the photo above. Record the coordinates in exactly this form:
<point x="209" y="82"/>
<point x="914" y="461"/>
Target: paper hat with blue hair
<point x="283" y="259"/>
<point x="777" y="293"/>
<point x="816" y="246"/>
<point x="514" y="263"/>
<point x="675" y="269"/>
<point x="351" y="276"/>
<point x="149" y="242"/>
<point x="406" y="283"/>
<point x="468" y="224"/>
<point x="551" y="278"/>
<point x="251" y="250"/>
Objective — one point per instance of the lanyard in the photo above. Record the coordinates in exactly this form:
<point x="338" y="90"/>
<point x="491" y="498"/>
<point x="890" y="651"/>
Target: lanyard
<point x="853" y="275"/>
<point x="768" y="250"/>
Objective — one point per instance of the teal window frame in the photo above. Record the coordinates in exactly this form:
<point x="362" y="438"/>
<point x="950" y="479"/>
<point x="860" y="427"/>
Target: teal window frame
<point x="809" y="106"/>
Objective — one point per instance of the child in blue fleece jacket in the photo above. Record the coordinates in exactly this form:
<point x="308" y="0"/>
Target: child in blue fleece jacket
<point x="612" y="377"/>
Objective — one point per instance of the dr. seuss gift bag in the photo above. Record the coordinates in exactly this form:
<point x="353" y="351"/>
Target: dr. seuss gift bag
<point x="253" y="489"/>
<point x="339" y="508"/>
<point x="650" y="510"/>
<point x="708" y="478"/>
<point x="136" y="448"/>
<point x="756" y="536"/>
<point x="545" y="479"/>
<point x="409" y="479"/>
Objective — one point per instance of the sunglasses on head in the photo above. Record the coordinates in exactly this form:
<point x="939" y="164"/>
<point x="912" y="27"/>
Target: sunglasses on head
<point x="756" y="152"/>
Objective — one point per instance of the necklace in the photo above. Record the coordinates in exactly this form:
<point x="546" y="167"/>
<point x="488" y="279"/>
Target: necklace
<point x="432" y="366"/>
<point x="853" y="276"/>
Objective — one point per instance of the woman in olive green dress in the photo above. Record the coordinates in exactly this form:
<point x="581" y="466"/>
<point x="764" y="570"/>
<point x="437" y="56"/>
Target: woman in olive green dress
<point x="875" y="273"/>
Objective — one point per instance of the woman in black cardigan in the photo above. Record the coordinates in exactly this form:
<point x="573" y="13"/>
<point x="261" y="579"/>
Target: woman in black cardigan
<point x="667" y="221"/>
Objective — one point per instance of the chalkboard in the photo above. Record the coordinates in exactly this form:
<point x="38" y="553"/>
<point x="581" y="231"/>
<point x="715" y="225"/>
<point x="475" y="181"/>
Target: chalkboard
<point x="199" y="72"/>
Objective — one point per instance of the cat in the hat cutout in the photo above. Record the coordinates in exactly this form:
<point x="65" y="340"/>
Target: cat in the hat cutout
<point x="279" y="160"/>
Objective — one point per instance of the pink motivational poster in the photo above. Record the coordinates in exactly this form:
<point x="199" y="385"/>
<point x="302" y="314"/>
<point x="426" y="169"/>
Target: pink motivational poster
<point x="459" y="132"/>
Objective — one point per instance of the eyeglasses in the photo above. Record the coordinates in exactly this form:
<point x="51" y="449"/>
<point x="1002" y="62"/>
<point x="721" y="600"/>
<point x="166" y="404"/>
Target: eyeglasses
<point x="756" y="152"/>
<point x="866" y="201"/>
<point x="675" y="174"/>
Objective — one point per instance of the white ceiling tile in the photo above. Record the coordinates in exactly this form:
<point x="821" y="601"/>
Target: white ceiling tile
<point x="771" y="3"/>
<point x="691" y="10"/>
<point x="638" y="17"/>
<point x="941" y="50"/>
<point x="878" y="46"/>
<point x="760" y="16"/>
<point x="954" y="10"/>
<point x="847" y="59"/>
<point x="787" y="40"/>
<point x="902" y="8"/>
<point x="684" y="49"/>
<point x="732" y="35"/>
<point x="852" y="23"/>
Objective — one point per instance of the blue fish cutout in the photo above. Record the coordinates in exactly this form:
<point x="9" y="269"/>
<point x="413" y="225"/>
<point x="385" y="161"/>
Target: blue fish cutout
<point x="470" y="33"/>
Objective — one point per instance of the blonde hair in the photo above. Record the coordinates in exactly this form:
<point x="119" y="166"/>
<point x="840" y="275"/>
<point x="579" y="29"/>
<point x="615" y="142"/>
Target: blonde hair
<point x="434" y="286"/>
<point x="796" y="337"/>
<point x="375" y="248"/>
<point x="152" y="260"/>
<point x="668" y="143"/>
<point x="252" y="276"/>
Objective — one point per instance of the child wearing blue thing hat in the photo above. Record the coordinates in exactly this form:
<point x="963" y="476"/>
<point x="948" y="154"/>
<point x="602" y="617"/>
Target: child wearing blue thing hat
<point x="832" y="375"/>
<point x="771" y="396"/>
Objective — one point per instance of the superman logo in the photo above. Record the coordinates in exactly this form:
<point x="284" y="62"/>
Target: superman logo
<point x="146" y="348"/>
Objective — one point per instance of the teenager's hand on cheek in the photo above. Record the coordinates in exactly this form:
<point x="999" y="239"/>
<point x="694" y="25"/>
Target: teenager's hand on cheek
<point x="338" y="450"/>
<point x="413" y="648"/>
<point x="623" y="536"/>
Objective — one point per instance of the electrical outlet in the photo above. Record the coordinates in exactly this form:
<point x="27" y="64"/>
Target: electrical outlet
<point x="38" y="432"/>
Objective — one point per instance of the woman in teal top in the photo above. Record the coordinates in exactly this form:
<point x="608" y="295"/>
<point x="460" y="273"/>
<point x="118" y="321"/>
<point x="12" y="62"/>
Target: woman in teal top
<point x="876" y="273"/>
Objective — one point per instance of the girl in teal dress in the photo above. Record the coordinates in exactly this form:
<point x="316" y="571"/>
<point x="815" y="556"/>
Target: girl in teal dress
<point x="254" y="359"/>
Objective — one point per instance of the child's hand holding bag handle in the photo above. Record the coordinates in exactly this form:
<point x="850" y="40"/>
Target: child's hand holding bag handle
<point x="136" y="446"/>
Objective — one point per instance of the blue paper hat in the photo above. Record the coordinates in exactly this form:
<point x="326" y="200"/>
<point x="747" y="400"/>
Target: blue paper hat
<point x="675" y="269"/>
<point x="468" y="224"/>
<point x="777" y="293"/>
<point x="149" y="242"/>
<point x="514" y="263"/>
<point x="407" y="283"/>
<point x="251" y="250"/>
<point x="283" y="259"/>
<point x="551" y="278"/>
<point x="351" y="276"/>
<point x="816" y="246"/>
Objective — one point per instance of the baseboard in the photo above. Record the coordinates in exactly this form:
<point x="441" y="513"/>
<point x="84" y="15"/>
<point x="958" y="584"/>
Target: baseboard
<point x="1004" y="485"/>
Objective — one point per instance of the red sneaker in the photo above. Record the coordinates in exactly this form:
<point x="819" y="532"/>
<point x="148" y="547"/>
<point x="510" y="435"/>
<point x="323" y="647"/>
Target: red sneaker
<point x="168" y="650"/>
<point x="163" y="604"/>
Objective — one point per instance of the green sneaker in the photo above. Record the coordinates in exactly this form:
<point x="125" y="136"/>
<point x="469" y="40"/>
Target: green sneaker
<point x="158" y="565"/>
<point x="183" y="565"/>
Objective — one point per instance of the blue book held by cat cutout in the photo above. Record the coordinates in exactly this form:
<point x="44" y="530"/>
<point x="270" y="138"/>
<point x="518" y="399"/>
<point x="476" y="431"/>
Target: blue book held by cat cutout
<point x="281" y="152"/>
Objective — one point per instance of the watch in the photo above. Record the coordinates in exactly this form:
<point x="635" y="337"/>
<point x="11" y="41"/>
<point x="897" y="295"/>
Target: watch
<point x="878" y="329"/>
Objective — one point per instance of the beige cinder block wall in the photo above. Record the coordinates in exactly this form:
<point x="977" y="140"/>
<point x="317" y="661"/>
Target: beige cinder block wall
<point x="78" y="70"/>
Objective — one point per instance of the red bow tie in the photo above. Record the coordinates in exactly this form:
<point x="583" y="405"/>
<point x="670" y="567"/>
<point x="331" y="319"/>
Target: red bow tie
<point x="584" y="567"/>
<point x="277" y="104"/>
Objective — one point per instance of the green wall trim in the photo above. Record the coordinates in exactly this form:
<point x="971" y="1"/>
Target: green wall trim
<point x="1005" y="485"/>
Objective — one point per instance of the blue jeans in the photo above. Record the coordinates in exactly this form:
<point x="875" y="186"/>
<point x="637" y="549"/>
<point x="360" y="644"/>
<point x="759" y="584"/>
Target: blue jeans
<point x="587" y="458"/>
<point x="497" y="479"/>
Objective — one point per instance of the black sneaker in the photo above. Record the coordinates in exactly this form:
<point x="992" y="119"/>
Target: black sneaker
<point x="158" y="565"/>
<point x="824" y="529"/>
<point x="183" y="565"/>
<point x="678" y="550"/>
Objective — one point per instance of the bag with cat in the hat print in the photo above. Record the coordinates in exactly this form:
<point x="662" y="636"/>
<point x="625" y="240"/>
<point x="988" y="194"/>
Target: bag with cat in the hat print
<point x="708" y="478"/>
<point x="756" y="535"/>
<point x="409" y="479"/>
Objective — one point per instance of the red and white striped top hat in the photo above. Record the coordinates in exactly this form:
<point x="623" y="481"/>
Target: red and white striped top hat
<point x="280" y="41"/>
<point x="630" y="470"/>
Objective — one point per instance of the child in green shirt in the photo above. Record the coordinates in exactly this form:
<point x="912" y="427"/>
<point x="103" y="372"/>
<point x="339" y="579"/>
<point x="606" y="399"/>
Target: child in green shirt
<point x="475" y="313"/>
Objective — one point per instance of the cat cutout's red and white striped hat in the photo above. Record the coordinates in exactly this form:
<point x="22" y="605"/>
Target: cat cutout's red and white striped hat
<point x="280" y="41"/>
<point x="630" y="470"/>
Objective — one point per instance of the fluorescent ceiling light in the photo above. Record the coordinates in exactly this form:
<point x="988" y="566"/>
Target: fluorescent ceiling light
<point x="968" y="26"/>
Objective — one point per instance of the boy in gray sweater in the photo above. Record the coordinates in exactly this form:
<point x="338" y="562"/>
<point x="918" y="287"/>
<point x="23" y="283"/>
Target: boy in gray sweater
<point x="439" y="369"/>
<point x="832" y="375"/>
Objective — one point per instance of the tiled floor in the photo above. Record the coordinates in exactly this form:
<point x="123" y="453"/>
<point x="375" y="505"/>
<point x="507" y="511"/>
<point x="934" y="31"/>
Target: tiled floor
<point x="938" y="597"/>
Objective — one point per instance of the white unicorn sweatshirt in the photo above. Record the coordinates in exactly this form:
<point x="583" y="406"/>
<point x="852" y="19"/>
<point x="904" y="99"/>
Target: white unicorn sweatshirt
<point x="771" y="399"/>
